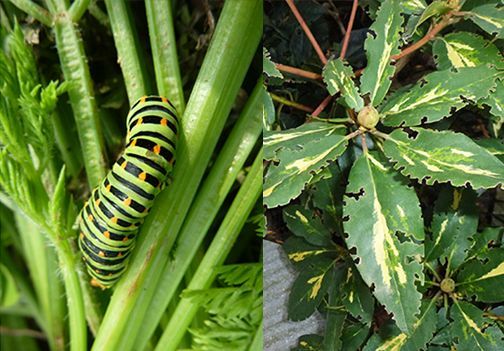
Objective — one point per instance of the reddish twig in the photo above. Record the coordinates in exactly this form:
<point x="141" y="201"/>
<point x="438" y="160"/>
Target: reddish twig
<point x="322" y="106"/>
<point x="425" y="39"/>
<point x="346" y="39"/>
<point x="307" y="31"/>
<point x="298" y="71"/>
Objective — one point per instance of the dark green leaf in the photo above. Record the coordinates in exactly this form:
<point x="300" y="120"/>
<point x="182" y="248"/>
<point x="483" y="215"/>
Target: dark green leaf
<point x="424" y="328"/>
<point x="443" y="157"/>
<point x="300" y="252"/>
<point x="483" y="278"/>
<point x="268" y="112"/>
<point x="309" y="288"/>
<point x="489" y="235"/>
<point x="490" y="18"/>
<point x="434" y="97"/>
<point x="357" y="297"/>
<point x="9" y="293"/>
<point x="469" y="329"/>
<point x="387" y="206"/>
<point x="435" y="9"/>
<point x="354" y="336"/>
<point x="309" y="342"/>
<point x="455" y="220"/>
<point x="303" y="222"/>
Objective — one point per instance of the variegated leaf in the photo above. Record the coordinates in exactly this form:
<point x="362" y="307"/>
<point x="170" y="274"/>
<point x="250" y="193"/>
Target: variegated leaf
<point x="380" y="47"/>
<point x="434" y="99"/>
<point x="303" y="223"/>
<point x="384" y="206"/>
<point x="443" y="157"/>
<point x="483" y="278"/>
<point x="490" y="18"/>
<point x="435" y="8"/>
<point x="301" y="252"/>
<point x="418" y="339"/>
<point x="496" y="103"/>
<point x="357" y="297"/>
<point x="338" y="78"/>
<point x="309" y="288"/>
<point x="463" y="49"/>
<point x="454" y="222"/>
<point x="269" y="67"/>
<point x="413" y="6"/>
<point x="286" y="181"/>
<point x="268" y="110"/>
<point x="469" y="330"/>
<point x="296" y="138"/>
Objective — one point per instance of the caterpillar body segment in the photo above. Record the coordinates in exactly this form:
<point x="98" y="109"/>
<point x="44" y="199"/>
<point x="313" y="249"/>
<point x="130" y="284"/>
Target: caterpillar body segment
<point x="110" y="219"/>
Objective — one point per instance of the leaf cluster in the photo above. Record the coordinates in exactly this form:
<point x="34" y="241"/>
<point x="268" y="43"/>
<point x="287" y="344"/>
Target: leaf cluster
<point x="387" y="269"/>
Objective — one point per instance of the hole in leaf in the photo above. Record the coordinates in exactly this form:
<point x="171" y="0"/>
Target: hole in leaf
<point x="412" y="134"/>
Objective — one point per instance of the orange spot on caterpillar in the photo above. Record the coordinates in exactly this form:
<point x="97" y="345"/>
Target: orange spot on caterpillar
<point x="157" y="149"/>
<point x="142" y="176"/>
<point x="90" y="217"/>
<point x="113" y="219"/>
<point x="97" y="202"/>
<point x="119" y="254"/>
<point x="124" y="164"/>
<point x="101" y="254"/>
<point x="139" y="121"/>
<point x="164" y="122"/>
<point x="142" y="99"/>
<point x="164" y="100"/>
<point x="125" y="239"/>
<point x="133" y="142"/>
<point x="127" y="202"/>
<point x="106" y="234"/>
<point x="81" y="235"/>
<point x="97" y="284"/>
<point x="108" y="187"/>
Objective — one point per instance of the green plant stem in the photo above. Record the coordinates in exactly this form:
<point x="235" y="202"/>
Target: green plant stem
<point x="43" y="272"/>
<point x="202" y="214"/>
<point x="290" y="103"/>
<point x="76" y="313"/>
<point x="76" y="72"/>
<point x="215" y="256"/>
<point x="334" y="324"/>
<point x="257" y="342"/>
<point x="233" y="45"/>
<point x="128" y="51"/>
<point x="34" y="10"/>
<point x="164" y="52"/>
<point x="97" y="13"/>
<point x="77" y="9"/>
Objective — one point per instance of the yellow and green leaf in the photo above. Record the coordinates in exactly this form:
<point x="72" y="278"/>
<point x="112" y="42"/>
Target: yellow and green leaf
<point x="490" y="18"/>
<point x="383" y="205"/>
<point x="380" y="47"/>
<point x="338" y="78"/>
<point x="434" y="156"/>
<point x="438" y="94"/>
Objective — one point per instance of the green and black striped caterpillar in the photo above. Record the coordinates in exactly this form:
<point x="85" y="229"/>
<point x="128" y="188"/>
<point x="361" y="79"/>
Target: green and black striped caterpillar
<point x="110" y="219"/>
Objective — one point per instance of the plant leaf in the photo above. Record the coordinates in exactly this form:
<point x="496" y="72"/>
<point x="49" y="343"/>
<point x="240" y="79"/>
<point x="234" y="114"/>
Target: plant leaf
<point x="483" y="278"/>
<point x="468" y="328"/>
<point x="454" y="222"/>
<point x="386" y="207"/>
<point x="338" y="77"/>
<point x="434" y="100"/>
<point x="309" y="288"/>
<point x="268" y="110"/>
<point x="463" y="49"/>
<point x="9" y="293"/>
<point x="443" y="157"/>
<point x="357" y="297"/>
<point x="493" y="146"/>
<point x="379" y="49"/>
<point x="480" y="247"/>
<point x="424" y="328"/>
<point x="436" y="8"/>
<point x="300" y="252"/>
<point x="490" y="18"/>
<point x="285" y="181"/>
<point x="269" y="67"/>
<point x="496" y="103"/>
<point x="303" y="223"/>
<point x="310" y="342"/>
<point x="296" y="138"/>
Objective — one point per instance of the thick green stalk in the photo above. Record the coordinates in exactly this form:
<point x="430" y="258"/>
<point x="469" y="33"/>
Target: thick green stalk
<point x="76" y="312"/>
<point x="201" y="216"/>
<point x="34" y="10"/>
<point x="78" y="9"/>
<point x="76" y="72"/>
<point x="215" y="256"/>
<point x="164" y="51"/>
<point x="41" y="263"/>
<point x="128" y="51"/>
<point x="233" y="46"/>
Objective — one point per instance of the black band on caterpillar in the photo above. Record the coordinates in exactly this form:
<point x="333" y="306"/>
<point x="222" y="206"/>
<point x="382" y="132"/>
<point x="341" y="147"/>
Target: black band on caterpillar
<point x="110" y="219"/>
